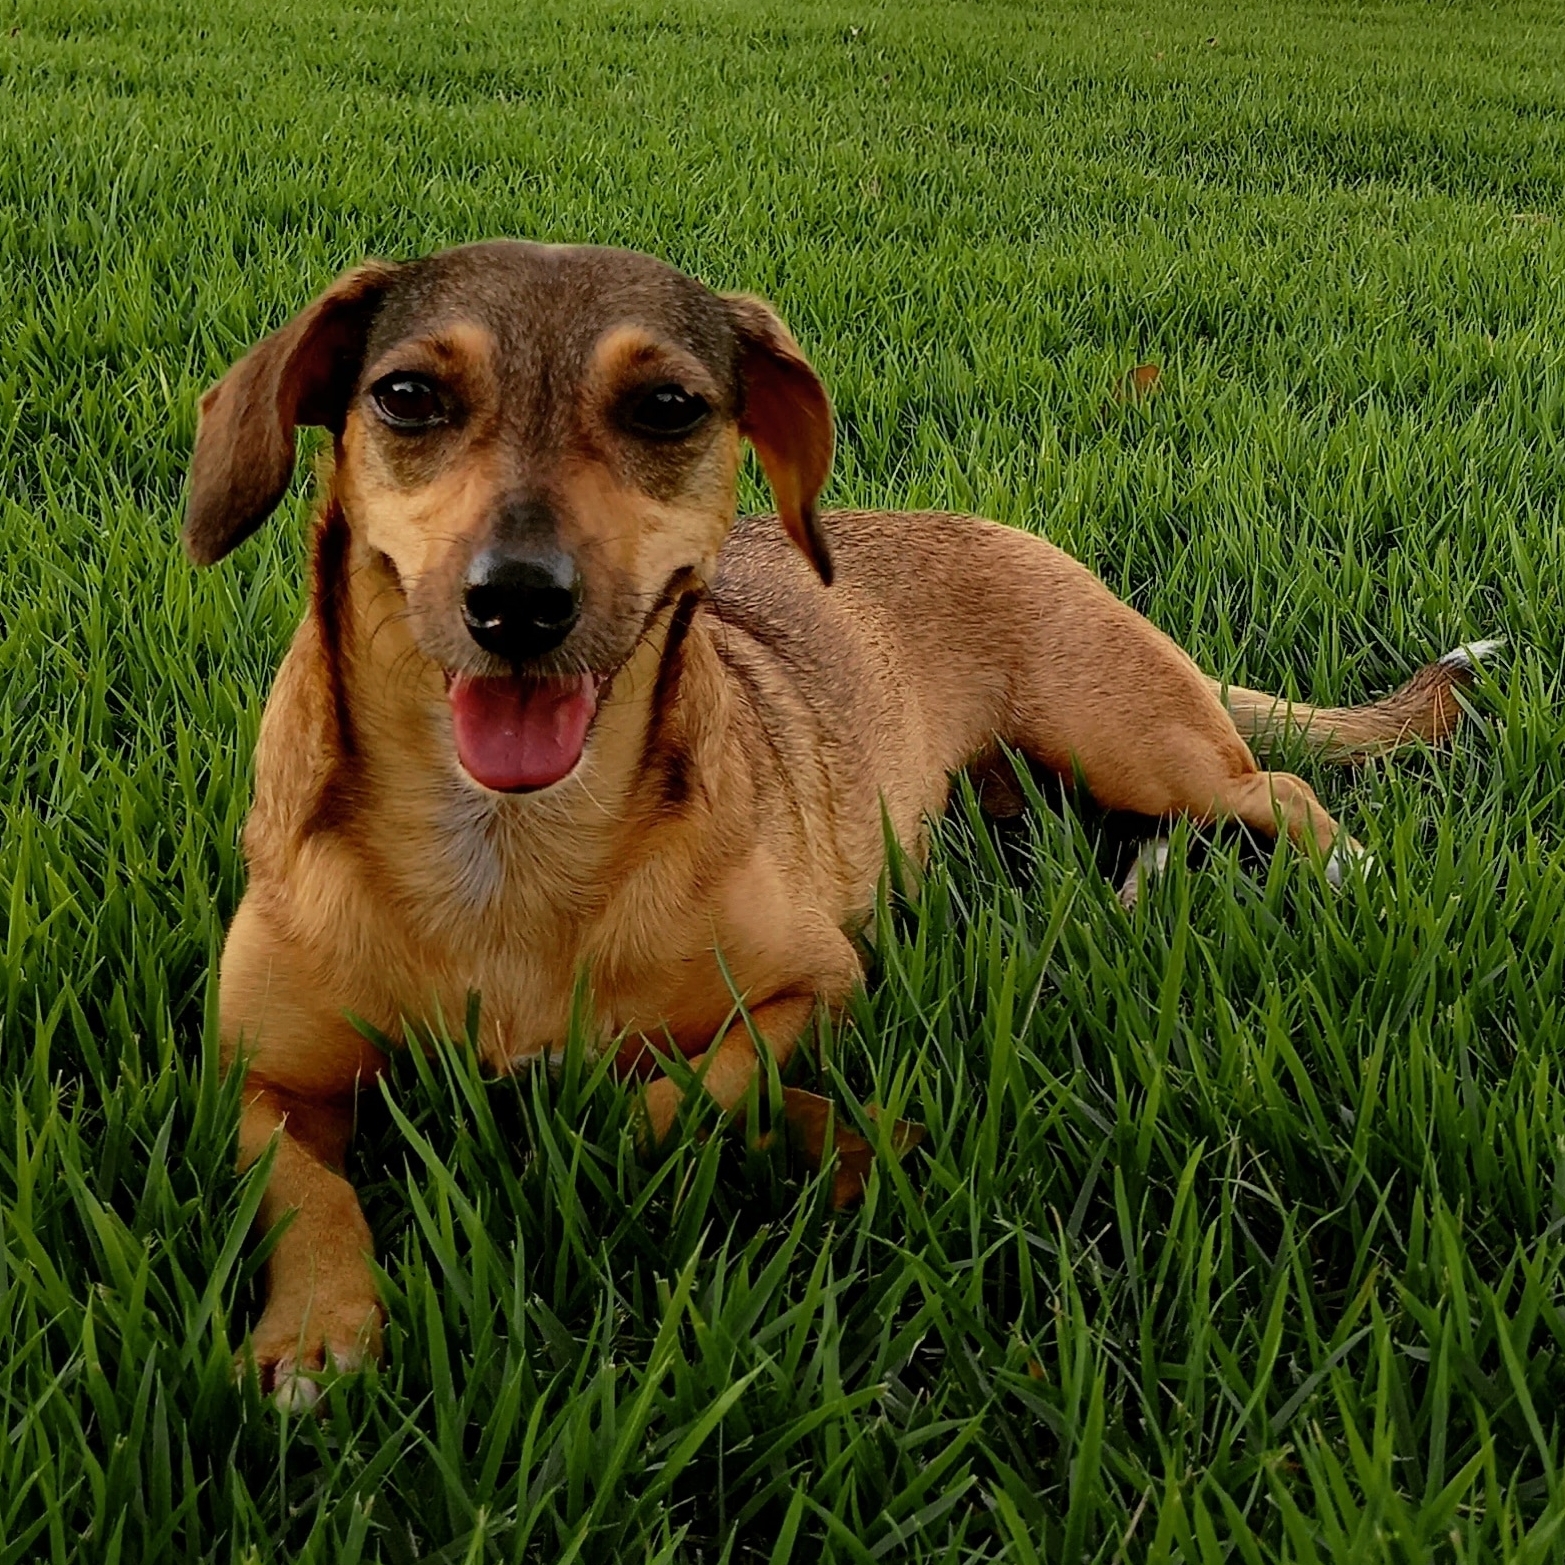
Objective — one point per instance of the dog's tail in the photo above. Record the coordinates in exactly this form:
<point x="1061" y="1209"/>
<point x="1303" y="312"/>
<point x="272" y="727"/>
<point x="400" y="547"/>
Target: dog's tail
<point x="1425" y="710"/>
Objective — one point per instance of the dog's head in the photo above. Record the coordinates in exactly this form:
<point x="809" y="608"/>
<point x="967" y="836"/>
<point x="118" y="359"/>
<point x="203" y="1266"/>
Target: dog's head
<point x="541" y="444"/>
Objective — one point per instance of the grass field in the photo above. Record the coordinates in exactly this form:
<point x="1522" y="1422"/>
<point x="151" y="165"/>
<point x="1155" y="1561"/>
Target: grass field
<point x="1238" y="1231"/>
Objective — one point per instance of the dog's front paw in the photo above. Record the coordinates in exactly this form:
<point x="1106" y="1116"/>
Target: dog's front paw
<point x="294" y="1350"/>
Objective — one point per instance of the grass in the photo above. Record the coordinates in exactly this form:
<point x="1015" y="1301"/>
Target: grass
<point x="1239" y="1232"/>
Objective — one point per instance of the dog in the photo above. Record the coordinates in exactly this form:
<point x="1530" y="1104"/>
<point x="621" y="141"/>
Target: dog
<point x="553" y="711"/>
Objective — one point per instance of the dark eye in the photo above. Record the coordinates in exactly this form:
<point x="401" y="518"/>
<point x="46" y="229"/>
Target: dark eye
<point x="666" y="412"/>
<point x="407" y="401"/>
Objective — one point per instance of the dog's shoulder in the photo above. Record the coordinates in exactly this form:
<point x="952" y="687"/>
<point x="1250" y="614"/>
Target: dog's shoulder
<point x="892" y="568"/>
<point x="772" y="610"/>
<point x="820" y="665"/>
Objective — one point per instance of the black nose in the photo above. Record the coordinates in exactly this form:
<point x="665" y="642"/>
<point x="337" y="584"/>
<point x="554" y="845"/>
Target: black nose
<point x="521" y="606"/>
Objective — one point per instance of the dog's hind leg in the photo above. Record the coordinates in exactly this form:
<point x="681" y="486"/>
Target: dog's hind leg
<point x="1168" y="766"/>
<point x="1136" y="719"/>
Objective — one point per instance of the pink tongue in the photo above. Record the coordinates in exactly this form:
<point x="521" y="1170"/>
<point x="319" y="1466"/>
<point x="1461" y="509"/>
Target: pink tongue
<point x="513" y="734"/>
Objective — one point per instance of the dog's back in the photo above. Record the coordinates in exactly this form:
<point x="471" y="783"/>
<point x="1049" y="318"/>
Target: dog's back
<point x="936" y="632"/>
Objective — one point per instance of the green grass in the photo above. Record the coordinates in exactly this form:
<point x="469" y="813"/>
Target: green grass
<point x="1239" y="1233"/>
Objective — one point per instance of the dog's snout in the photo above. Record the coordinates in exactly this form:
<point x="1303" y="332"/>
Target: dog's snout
<point x="521" y="606"/>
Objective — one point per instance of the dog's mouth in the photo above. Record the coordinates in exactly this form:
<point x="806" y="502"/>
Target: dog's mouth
<point x="516" y="734"/>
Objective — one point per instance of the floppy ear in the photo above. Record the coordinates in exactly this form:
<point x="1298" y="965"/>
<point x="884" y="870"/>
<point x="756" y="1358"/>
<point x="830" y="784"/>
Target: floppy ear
<point x="787" y="418"/>
<point x="303" y="374"/>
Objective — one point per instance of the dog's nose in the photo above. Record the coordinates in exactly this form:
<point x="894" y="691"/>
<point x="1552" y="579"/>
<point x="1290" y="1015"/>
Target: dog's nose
<point x="521" y="606"/>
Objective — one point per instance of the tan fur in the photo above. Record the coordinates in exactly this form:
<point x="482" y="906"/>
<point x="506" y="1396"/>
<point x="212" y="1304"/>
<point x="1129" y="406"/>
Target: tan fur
<point x="754" y="723"/>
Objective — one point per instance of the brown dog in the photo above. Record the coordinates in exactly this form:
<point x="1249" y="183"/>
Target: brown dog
<point x="552" y="711"/>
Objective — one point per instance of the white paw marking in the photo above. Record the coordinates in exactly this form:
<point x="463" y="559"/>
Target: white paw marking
<point x="1151" y="860"/>
<point x="1344" y="852"/>
<point x="294" y="1391"/>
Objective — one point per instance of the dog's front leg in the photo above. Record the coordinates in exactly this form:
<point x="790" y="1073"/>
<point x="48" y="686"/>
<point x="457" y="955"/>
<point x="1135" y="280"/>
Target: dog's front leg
<point x="322" y="1308"/>
<point x="731" y="1064"/>
<point x="304" y="1063"/>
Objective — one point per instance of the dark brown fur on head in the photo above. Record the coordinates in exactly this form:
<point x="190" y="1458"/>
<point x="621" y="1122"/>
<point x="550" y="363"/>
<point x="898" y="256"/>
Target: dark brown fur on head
<point x="539" y="354"/>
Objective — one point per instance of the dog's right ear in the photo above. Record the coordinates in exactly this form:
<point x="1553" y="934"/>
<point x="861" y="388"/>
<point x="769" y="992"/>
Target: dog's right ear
<point x="303" y="374"/>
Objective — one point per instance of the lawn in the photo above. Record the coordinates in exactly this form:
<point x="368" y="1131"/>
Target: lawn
<point x="1239" y="1231"/>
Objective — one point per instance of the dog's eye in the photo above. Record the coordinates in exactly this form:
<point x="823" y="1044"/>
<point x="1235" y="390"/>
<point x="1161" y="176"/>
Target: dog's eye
<point x="666" y="412"/>
<point x="407" y="401"/>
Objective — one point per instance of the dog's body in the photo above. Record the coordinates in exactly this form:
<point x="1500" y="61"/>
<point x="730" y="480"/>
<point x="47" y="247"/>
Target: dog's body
<point x="720" y="734"/>
<point x="789" y="712"/>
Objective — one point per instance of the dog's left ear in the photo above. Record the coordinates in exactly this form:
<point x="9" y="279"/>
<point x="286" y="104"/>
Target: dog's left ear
<point x="787" y="418"/>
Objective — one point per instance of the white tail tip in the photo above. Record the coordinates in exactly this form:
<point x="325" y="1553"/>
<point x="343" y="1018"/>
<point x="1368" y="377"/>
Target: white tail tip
<point x="1471" y="654"/>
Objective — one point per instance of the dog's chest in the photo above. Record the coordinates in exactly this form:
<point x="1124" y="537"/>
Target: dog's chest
<point x="547" y="938"/>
